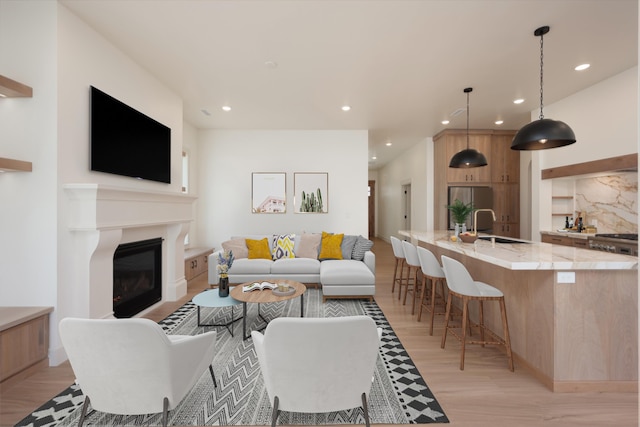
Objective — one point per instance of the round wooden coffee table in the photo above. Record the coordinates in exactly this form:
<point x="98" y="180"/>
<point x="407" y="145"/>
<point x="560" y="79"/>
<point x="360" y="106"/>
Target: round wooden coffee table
<point x="264" y="297"/>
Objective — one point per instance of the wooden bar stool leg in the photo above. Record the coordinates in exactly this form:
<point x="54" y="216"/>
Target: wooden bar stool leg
<point x="465" y="315"/>
<point x="395" y="277"/>
<point x="433" y="301"/>
<point x="481" y="317"/>
<point x="401" y="283"/>
<point x="406" y="289"/>
<point x="423" y="295"/>
<point x="446" y="321"/>
<point x="416" y="288"/>
<point x="505" y="326"/>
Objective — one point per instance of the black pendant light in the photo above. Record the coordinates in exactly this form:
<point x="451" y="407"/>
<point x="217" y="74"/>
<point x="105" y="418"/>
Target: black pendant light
<point x="543" y="133"/>
<point x="468" y="158"/>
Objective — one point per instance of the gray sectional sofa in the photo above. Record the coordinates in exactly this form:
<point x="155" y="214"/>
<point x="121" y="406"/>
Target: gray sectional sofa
<point x="339" y="278"/>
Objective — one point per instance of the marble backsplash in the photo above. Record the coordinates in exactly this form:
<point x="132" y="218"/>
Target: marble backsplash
<point x="610" y="202"/>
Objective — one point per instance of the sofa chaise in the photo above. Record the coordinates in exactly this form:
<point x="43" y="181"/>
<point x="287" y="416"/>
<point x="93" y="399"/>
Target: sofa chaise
<point x="343" y="265"/>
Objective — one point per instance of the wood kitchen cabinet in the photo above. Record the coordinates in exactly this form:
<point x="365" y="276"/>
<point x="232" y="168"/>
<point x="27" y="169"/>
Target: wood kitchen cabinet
<point x="506" y="205"/>
<point x="556" y="240"/>
<point x="505" y="166"/>
<point x="502" y="174"/>
<point x="505" y="177"/>
<point x="196" y="262"/>
<point x="455" y="142"/>
<point x="576" y="242"/>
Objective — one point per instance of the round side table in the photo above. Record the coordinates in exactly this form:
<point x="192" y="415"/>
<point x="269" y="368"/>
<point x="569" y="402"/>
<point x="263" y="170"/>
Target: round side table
<point x="210" y="298"/>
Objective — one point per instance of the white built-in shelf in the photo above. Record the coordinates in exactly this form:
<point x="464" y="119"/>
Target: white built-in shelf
<point x="11" y="165"/>
<point x="13" y="89"/>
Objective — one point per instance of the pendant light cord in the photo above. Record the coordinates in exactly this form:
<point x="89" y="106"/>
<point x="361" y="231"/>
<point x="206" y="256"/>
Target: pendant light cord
<point x="541" y="68"/>
<point x="468" y="120"/>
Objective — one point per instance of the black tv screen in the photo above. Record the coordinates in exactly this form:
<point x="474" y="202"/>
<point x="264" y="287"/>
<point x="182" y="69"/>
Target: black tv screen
<point x="126" y="142"/>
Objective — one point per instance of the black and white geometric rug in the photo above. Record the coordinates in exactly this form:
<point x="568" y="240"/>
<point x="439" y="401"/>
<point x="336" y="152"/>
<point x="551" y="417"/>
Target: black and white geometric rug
<point x="399" y="394"/>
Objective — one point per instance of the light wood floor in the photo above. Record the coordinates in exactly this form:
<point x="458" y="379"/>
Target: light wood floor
<point x="486" y="393"/>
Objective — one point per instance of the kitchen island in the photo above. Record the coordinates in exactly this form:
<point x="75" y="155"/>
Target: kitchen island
<point x="572" y="312"/>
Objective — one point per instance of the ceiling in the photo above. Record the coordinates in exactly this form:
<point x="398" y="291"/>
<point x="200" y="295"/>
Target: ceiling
<point x="401" y="65"/>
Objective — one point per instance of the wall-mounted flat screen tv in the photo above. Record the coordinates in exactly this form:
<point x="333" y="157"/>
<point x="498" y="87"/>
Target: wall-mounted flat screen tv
<point x="126" y="142"/>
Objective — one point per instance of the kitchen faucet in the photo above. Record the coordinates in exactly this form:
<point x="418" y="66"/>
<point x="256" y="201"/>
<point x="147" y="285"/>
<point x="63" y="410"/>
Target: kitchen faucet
<point x="475" y="218"/>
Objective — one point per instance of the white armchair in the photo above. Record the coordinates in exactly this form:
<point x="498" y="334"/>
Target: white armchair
<point x="315" y="365"/>
<point x="131" y="367"/>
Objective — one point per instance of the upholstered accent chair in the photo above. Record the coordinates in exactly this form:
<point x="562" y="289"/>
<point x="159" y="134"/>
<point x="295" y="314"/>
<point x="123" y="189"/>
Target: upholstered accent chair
<point x="315" y="365"/>
<point x="131" y="367"/>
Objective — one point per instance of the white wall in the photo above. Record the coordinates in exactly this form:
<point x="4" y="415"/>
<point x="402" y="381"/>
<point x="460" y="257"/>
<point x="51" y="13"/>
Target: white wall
<point x="415" y="167"/>
<point x="227" y="158"/>
<point x="190" y="145"/>
<point x="604" y="118"/>
<point x="85" y="58"/>
<point x="45" y="46"/>
<point x="28" y="132"/>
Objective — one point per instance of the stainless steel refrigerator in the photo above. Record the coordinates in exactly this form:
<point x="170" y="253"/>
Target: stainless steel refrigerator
<point x="481" y="197"/>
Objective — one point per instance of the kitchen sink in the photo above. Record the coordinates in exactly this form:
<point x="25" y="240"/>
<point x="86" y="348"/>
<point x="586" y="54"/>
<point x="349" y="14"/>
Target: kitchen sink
<point x="501" y="239"/>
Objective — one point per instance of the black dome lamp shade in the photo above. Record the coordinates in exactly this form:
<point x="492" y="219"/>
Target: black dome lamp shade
<point x="468" y="158"/>
<point x="544" y="133"/>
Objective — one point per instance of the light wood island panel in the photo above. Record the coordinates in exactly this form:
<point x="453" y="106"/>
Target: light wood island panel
<point x="580" y="336"/>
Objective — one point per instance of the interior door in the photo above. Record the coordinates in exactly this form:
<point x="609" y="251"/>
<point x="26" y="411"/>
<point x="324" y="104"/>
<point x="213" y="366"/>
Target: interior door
<point x="372" y="209"/>
<point x="406" y="206"/>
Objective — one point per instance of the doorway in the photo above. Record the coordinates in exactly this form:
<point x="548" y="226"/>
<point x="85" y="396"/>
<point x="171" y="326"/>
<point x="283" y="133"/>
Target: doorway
<point x="372" y="208"/>
<point x="406" y="206"/>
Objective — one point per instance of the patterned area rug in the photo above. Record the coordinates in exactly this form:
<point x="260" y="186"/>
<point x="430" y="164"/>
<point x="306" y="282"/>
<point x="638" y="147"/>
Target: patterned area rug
<point x="399" y="394"/>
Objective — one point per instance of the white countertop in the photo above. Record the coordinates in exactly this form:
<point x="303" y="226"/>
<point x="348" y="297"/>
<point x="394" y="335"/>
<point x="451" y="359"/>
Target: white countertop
<point x="528" y="256"/>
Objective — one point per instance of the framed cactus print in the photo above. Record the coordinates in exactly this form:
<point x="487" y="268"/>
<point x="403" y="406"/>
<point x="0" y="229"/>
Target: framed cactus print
<point x="311" y="192"/>
<point x="268" y="192"/>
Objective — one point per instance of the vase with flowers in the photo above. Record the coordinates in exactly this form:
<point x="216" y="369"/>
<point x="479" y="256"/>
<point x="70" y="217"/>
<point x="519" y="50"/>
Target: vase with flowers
<point x="225" y="260"/>
<point x="460" y="212"/>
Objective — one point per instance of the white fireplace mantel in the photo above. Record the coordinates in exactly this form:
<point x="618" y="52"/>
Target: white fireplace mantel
<point x="101" y="207"/>
<point x="102" y="217"/>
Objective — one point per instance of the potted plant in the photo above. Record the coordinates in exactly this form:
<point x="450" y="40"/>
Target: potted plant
<point x="460" y="212"/>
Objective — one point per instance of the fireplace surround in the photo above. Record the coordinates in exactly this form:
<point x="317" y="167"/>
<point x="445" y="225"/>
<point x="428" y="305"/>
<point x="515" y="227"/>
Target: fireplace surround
<point x="101" y="218"/>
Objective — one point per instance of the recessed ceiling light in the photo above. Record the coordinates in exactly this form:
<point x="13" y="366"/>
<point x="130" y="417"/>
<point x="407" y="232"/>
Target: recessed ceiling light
<point x="388" y="144"/>
<point x="226" y="108"/>
<point x="499" y="122"/>
<point x="582" y="67"/>
<point x="346" y="108"/>
<point x="374" y="158"/>
<point x="445" y="122"/>
<point x="518" y="101"/>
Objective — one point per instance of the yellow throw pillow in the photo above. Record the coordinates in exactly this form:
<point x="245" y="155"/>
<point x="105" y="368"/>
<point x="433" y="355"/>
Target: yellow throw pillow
<point x="259" y="249"/>
<point x="330" y="248"/>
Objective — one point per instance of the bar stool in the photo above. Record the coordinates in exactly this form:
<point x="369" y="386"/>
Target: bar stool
<point x="431" y="272"/>
<point x="413" y="264"/>
<point x="462" y="285"/>
<point x="398" y="253"/>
